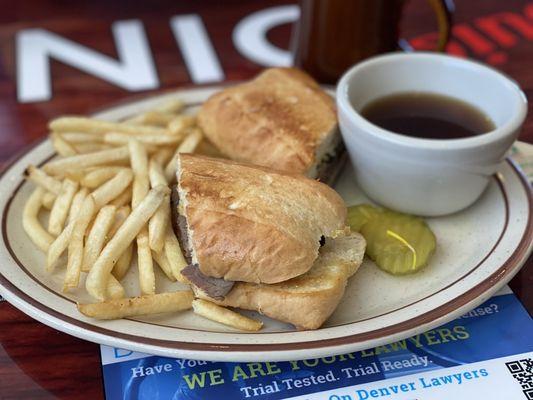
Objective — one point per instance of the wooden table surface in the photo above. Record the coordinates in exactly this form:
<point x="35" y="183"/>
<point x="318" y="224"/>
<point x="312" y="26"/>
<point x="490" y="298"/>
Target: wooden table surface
<point x="37" y="362"/>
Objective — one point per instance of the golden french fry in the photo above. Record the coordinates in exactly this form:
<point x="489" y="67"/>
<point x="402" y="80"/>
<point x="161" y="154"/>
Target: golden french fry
<point x="225" y="316"/>
<point x="58" y="247"/>
<point x="157" y="227"/>
<point x="41" y="178"/>
<point x="151" y="118"/>
<point x="61" y="242"/>
<point x="180" y="124"/>
<point x="75" y="246"/>
<point x="48" y="200"/>
<point x="173" y="106"/>
<point x="156" y="174"/>
<point x="145" y="264"/>
<point x="124" y="263"/>
<point x="187" y="146"/>
<point x="152" y="148"/>
<point x="62" y="147"/>
<point x="163" y="156"/>
<point x="174" y="255"/>
<point x="114" y="289"/>
<point x="91" y="125"/>
<point x="75" y="175"/>
<point x="143" y="305"/>
<point x="124" y="198"/>
<point x="84" y="148"/>
<point x="120" y="216"/>
<point x="192" y="140"/>
<point x="30" y="221"/>
<point x="59" y="212"/>
<point x="161" y="260"/>
<point x="117" y="138"/>
<point x="139" y="166"/>
<point x="81" y="161"/>
<point x="81" y="137"/>
<point x="97" y="177"/>
<point x="136" y="221"/>
<point x="97" y="236"/>
<point x="76" y="204"/>
<point x="112" y="188"/>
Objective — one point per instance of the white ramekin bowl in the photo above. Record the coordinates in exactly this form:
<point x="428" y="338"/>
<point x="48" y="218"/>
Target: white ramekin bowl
<point x="427" y="176"/>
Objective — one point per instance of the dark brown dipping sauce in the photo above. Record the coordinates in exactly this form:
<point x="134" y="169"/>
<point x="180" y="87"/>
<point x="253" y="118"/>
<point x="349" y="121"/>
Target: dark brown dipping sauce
<point x="427" y="115"/>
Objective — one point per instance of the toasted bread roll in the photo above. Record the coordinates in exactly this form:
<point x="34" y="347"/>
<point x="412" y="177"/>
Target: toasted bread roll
<point x="282" y="119"/>
<point x="247" y="223"/>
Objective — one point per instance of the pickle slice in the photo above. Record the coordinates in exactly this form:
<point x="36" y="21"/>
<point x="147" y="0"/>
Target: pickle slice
<point x="398" y="243"/>
<point x="360" y="215"/>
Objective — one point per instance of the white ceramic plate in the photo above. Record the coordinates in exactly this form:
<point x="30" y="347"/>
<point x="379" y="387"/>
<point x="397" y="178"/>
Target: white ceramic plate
<point x="479" y="250"/>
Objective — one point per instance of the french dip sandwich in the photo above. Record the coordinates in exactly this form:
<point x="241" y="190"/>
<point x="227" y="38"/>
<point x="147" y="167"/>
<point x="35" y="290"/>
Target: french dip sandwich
<point x="263" y="240"/>
<point x="282" y="119"/>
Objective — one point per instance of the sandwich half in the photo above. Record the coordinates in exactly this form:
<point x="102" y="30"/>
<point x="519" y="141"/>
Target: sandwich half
<point x="249" y="233"/>
<point x="282" y="120"/>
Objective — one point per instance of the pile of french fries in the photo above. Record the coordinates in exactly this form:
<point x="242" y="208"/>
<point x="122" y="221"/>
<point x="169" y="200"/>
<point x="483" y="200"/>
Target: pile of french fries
<point x="108" y="199"/>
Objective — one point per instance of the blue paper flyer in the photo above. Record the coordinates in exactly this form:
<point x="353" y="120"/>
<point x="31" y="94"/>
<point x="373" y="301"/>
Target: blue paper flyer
<point x="485" y="354"/>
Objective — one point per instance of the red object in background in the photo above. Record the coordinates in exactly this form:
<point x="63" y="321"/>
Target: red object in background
<point x="37" y="362"/>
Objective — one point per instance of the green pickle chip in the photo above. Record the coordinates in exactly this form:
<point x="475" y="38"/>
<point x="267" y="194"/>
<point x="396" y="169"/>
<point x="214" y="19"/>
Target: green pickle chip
<point x="360" y="215"/>
<point x="398" y="243"/>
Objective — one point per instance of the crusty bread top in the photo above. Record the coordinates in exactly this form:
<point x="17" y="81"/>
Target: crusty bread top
<point x="277" y="120"/>
<point x="248" y="223"/>
<point x="309" y="299"/>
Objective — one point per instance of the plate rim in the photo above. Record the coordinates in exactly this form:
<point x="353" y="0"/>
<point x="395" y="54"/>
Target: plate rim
<point x="206" y="350"/>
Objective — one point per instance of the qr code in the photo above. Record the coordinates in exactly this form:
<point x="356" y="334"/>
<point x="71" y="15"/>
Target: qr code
<point x="522" y="371"/>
